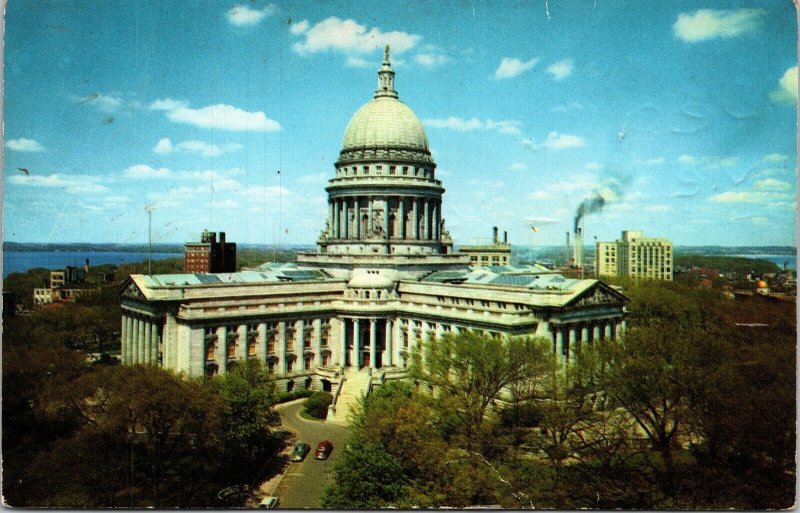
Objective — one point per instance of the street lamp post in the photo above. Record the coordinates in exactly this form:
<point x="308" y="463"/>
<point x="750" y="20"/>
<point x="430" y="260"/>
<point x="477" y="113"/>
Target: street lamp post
<point x="149" y="209"/>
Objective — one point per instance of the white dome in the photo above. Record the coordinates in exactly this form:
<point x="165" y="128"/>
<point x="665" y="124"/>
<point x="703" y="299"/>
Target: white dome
<point x="372" y="279"/>
<point x="384" y="122"/>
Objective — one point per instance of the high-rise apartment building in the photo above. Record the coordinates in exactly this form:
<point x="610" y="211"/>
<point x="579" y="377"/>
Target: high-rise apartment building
<point x="636" y="256"/>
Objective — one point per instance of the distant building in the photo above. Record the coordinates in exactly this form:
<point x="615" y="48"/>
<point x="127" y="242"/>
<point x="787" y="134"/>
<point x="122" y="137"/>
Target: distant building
<point x="63" y="285"/>
<point x="210" y="256"/>
<point x="496" y="253"/>
<point x="635" y="256"/>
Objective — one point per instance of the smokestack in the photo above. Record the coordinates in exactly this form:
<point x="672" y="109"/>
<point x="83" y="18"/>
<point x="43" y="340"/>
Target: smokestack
<point x="505" y="237"/>
<point x="578" y="249"/>
<point x="86" y="267"/>
<point x="494" y="235"/>
<point x="568" y="247"/>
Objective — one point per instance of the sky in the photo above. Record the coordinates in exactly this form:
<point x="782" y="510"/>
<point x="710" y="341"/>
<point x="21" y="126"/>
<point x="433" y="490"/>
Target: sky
<point x="680" y="116"/>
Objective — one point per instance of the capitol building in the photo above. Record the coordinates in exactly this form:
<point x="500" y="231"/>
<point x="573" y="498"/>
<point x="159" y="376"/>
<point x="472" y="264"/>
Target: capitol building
<point x="384" y="279"/>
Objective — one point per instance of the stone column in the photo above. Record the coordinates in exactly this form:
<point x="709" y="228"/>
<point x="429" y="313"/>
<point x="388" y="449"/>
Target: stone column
<point x="221" y="353"/>
<point x="345" y="213"/>
<point x="241" y="353"/>
<point x="435" y="222"/>
<point x="331" y="218"/>
<point x="140" y="341"/>
<point x="261" y="343"/>
<point x="123" y="339"/>
<point x="147" y="342"/>
<point x="386" y="218"/>
<point x="335" y="226"/>
<point x="572" y="339"/>
<point x="427" y="220"/>
<point x="585" y="335"/>
<point x="373" y="343"/>
<point x="401" y="217"/>
<point x="387" y="360"/>
<point x="356" y="219"/>
<point x="299" y="343"/>
<point x="368" y="228"/>
<point x="595" y="333"/>
<point x="317" y="338"/>
<point x="154" y="345"/>
<point x="607" y="332"/>
<point x="411" y="341"/>
<point x="415" y="216"/>
<point x="624" y="325"/>
<point x="558" y="345"/>
<point x="130" y="349"/>
<point x="281" y="347"/>
<point x="356" y="355"/>
<point x="343" y="336"/>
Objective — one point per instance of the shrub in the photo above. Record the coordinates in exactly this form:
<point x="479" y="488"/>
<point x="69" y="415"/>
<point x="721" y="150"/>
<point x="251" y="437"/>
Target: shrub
<point x="317" y="405"/>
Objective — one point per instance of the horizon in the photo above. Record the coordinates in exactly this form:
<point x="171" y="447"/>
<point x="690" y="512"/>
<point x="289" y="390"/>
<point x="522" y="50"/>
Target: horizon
<point x="680" y="117"/>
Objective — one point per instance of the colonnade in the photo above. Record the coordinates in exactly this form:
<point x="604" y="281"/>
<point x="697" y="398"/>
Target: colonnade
<point x="345" y="217"/>
<point x="568" y="337"/>
<point x="280" y="344"/>
<point x="139" y="339"/>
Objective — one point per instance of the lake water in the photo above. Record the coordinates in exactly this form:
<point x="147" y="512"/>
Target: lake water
<point x="791" y="260"/>
<point x="21" y="261"/>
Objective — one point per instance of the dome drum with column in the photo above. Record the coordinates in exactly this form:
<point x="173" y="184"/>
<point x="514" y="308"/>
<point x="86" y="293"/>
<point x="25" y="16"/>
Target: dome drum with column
<point x="384" y="198"/>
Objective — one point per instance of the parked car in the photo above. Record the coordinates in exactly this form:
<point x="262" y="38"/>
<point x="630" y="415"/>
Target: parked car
<point x="299" y="451"/>
<point x="323" y="450"/>
<point x="268" y="503"/>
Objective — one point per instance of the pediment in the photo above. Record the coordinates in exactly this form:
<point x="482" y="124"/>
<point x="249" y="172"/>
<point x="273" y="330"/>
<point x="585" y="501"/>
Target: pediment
<point x="599" y="294"/>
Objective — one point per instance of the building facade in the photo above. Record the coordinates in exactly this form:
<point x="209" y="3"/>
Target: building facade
<point x="210" y="256"/>
<point x="636" y="256"/>
<point x="383" y="280"/>
<point x="496" y="253"/>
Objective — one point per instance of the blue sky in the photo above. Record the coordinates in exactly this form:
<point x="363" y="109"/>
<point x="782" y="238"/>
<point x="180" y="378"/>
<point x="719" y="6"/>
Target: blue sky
<point x="680" y="115"/>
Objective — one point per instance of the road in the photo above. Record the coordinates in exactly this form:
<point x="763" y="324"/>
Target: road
<point x="303" y="482"/>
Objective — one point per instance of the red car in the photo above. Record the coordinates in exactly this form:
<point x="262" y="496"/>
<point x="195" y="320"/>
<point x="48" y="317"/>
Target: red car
<point x="323" y="450"/>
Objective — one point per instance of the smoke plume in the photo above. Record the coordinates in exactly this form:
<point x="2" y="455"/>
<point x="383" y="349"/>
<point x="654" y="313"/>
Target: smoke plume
<point x="597" y="199"/>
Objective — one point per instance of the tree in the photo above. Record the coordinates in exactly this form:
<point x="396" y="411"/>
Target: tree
<point x="475" y="370"/>
<point x="365" y="477"/>
<point x="248" y="395"/>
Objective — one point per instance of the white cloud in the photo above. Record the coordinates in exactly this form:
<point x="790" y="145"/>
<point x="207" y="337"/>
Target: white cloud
<point x="23" y="144"/>
<point x="430" y="60"/>
<point x="71" y="184"/>
<point x="164" y="147"/>
<point x="145" y="172"/>
<point x="748" y="197"/>
<point x="465" y="125"/>
<point x="776" y="157"/>
<point x="244" y="16"/>
<point x="706" y="24"/>
<point x="518" y="166"/>
<point x="772" y="184"/>
<point x="556" y="141"/>
<point x="116" y="199"/>
<point x="208" y="150"/>
<point x="102" y="102"/>
<point x="787" y="88"/>
<point x="561" y="69"/>
<point x="593" y="166"/>
<point x="511" y="67"/>
<point x="358" y="62"/>
<point x="219" y="116"/>
<point x="350" y="37"/>
<point x="709" y="162"/>
<point x="166" y="104"/>
<point x="540" y="195"/>
<point x="299" y="28"/>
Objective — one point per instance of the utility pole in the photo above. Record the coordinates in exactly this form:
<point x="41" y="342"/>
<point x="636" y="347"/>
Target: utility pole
<point x="149" y="209"/>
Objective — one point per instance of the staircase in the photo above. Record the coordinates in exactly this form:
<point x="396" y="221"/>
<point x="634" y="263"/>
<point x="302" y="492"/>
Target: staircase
<point x="356" y="383"/>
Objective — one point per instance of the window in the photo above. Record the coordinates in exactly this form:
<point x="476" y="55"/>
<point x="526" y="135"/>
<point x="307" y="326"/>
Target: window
<point x="289" y="365"/>
<point x="271" y="343"/>
<point x="307" y="362"/>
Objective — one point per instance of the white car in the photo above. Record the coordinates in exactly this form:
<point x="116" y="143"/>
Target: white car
<point x="268" y="503"/>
